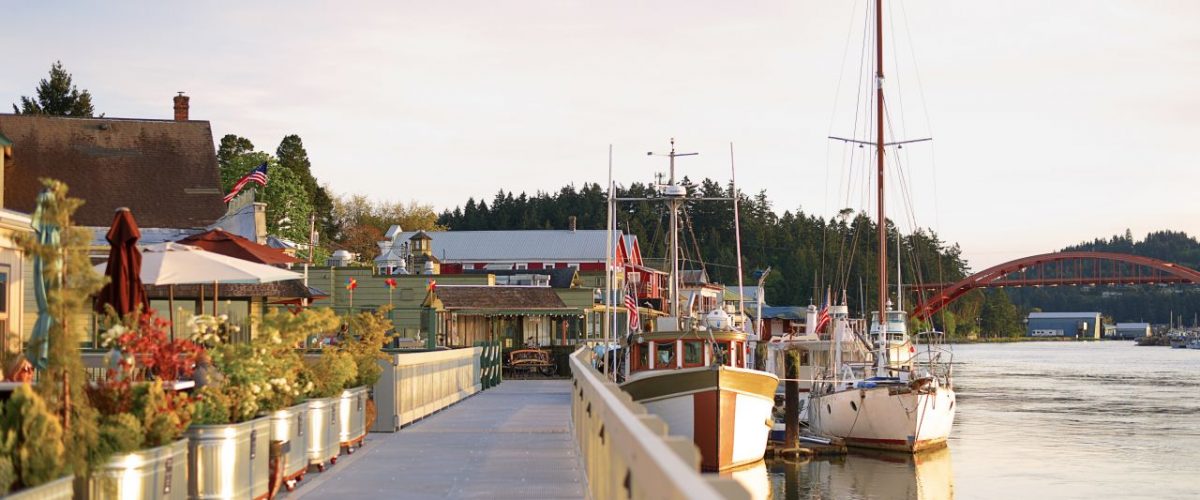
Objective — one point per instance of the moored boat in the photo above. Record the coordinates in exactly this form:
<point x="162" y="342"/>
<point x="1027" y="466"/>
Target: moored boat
<point x="698" y="382"/>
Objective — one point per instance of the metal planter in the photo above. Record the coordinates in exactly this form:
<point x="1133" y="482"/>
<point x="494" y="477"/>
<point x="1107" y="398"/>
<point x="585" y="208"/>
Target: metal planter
<point x="352" y="415"/>
<point x="58" y="489"/>
<point x="154" y="473"/>
<point x="290" y="425"/>
<point x="229" y="461"/>
<point x="322" y="431"/>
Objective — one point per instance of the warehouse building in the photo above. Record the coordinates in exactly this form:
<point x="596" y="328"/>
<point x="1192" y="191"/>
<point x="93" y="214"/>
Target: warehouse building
<point x="1082" y="325"/>
<point x="1132" y="331"/>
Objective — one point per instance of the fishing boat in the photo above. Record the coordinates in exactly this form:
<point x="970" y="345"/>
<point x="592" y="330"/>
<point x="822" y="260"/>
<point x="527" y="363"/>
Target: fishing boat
<point x="904" y="399"/>
<point x="694" y="369"/>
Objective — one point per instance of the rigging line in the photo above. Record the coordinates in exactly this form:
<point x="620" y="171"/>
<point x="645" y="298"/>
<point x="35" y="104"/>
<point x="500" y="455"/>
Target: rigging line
<point x="828" y="146"/>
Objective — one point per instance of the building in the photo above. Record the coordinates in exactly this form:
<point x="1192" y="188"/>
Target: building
<point x="586" y="251"/>
<point x="514" y="315"/>
<point x="13" y="268"/>
<point x="1131" y="331"/>
<point x="165" y="171"/>
<point x="1082" y="325"/>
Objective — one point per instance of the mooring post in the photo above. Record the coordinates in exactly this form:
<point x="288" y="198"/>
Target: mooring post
<point x="791" y="400"/>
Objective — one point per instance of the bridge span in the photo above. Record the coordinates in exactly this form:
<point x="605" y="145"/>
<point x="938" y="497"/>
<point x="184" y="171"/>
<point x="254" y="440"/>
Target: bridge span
<point x="1055" y="269"/>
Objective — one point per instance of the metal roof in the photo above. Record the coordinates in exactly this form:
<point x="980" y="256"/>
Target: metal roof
<point x="1063" y="315"/>
<point x="551" y="245"/>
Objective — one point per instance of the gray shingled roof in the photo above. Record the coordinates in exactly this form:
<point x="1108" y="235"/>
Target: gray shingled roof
<point x="164" y="170"/>
<point x="517" y="246"/>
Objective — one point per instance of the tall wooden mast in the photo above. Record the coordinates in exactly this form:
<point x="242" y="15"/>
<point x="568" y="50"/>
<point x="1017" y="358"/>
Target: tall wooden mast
<point x="879" y="145"/>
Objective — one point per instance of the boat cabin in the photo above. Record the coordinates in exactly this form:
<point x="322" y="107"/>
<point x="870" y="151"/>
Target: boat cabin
<point x="673" y="350"/>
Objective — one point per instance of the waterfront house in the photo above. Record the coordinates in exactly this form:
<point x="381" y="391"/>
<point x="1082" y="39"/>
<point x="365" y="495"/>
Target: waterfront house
<point x="13" y="268"/>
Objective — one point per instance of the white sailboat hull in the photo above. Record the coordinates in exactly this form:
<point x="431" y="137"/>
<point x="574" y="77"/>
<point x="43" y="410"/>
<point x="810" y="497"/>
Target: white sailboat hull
<point x="885" y="417"/>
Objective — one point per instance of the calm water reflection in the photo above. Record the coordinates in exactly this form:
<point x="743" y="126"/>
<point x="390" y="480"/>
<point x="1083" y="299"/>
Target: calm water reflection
<point x="1039" y="420"/>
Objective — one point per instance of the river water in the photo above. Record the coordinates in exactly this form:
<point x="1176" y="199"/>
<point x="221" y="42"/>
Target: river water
<point x="1038" y="420"/>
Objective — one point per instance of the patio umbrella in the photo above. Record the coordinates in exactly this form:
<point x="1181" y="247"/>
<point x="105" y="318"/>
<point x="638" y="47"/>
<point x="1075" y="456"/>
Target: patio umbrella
<point x="226" y="243"/>
<point x="175" y="264"/>
<point x="124" y="288"/>
<point x="46" y="233"/>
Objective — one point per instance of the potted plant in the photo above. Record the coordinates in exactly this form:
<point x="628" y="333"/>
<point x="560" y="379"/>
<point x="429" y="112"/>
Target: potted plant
<point x="229" y="439"/>
<point x="142" y="416"/>
<point x="367" y="335"/>
<point x="328" y="372"/>
<point x="32" y="456"/>
<point x="283" y="331"/>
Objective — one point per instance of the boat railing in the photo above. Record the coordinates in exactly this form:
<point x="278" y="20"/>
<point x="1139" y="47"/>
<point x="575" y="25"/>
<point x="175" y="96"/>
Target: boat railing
<point x="628" y="452"/>
<point x="933" y="354"/>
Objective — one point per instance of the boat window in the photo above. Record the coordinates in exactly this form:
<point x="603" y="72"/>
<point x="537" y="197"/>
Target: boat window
<point x="693" y="353"/>
<point x="665" y="355"/>
<point x="642" y="355"/>
<point x="721" y="353"/>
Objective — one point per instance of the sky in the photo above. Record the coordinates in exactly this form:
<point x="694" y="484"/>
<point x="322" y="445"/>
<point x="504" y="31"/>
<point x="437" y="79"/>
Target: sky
<point x="1052" y="122"/>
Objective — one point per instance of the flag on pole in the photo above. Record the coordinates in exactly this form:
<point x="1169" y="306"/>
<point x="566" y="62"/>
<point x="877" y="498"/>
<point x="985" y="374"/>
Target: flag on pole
<point x="823" y="316"/>
<point x="257" y="176"/>
<point x="431" y="285"/>
<point x="351" y="284"/>
<point x="635" y="322"/>
<point x="390" y="282"/>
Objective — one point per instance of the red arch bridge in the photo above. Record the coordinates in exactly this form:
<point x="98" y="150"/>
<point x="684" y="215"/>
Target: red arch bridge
<point x="1054" y="269"/>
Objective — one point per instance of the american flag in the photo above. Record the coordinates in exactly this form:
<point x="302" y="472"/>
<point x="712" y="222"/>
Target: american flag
<point x="635" y="322"/>
<point x="258" y="175"/>
<point x="823" y="315"/>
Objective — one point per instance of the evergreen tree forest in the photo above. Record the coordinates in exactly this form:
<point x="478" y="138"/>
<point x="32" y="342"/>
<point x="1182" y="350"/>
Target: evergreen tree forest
<point x="807" y="254"/>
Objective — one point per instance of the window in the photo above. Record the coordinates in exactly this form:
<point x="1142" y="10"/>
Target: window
<point x="693" y="353"/>
<point x="641" y="353"/>
<point x="664" y="356"/>
<point x="721" y="353"/>
<point x="521" y="266"/>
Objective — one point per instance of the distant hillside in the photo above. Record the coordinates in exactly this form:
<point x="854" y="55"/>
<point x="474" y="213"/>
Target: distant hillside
<point x="1149" y="303"/>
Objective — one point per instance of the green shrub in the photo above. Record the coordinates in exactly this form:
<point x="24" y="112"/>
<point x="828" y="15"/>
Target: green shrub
<point x="38" y="455"/>
<point x="120" y="433"/>
<point x="331" y="373"/>
<point x="368" y="332"/>
<point x="211" y="407"/>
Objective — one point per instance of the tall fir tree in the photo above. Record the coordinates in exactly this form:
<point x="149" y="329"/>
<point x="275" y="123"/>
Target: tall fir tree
<point x="57" y="96"/>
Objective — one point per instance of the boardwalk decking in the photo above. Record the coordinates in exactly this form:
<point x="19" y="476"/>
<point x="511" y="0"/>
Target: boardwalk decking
<point x="511" y="441"/>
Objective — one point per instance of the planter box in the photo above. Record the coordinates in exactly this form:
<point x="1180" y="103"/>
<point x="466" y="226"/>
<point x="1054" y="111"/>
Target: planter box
<point x="352" y="415"/>
<point x="154" y="473"/>
<point x="322" y="432"/>
<point x="58" y="489"/>
<point x="229" y="461"/>
<point x="290" y="425"/>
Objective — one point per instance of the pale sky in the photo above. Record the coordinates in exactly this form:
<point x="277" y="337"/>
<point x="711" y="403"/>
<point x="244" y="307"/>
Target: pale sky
<point x="1053" y="122"/>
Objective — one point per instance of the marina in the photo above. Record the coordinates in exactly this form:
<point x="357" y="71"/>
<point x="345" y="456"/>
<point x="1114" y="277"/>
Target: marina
<point x="517" y="255"/>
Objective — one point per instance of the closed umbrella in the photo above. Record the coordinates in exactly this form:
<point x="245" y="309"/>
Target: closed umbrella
<point x="124" y="290"/>
<point x="46" y="233"/>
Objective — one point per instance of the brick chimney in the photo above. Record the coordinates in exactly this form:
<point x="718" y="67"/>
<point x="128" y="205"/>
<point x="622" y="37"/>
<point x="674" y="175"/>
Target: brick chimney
<point x="181" y="107"/>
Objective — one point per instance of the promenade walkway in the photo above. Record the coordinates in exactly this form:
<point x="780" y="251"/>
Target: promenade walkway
<point x="510" y="441"/>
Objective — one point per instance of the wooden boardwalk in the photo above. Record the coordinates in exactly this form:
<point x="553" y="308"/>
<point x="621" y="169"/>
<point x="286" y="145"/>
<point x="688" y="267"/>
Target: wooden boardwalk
<point x="511" y="441"/>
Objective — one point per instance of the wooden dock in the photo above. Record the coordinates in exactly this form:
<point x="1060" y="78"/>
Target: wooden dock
<point x="511" y="441"/>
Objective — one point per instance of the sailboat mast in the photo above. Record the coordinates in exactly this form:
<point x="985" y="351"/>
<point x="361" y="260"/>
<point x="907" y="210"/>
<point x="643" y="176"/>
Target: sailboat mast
<point x="673" y="290"/>
<point x="883" y="273"/>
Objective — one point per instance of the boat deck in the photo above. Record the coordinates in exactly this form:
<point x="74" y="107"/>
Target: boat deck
<point x="511" y="441"/>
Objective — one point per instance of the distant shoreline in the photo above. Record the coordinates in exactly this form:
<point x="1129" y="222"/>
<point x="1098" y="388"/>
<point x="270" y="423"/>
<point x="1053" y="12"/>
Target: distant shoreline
<point x="1007" y="340"/>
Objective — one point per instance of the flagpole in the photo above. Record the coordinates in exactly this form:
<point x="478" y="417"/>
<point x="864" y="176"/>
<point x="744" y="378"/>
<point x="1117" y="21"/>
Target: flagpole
<point x="608" y="272"/>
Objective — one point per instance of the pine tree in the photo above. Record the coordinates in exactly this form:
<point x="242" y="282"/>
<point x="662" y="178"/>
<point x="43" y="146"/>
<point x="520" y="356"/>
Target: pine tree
<point x="57" y="96"/>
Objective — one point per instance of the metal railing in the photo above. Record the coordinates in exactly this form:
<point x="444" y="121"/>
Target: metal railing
<point x="627" y="452"/>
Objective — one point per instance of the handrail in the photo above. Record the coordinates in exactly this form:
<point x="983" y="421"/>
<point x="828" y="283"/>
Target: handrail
<point x="627" y="452"/>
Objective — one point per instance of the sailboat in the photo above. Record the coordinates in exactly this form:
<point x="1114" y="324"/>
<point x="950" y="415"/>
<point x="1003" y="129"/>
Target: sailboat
<point x="904" y="400"/>
<point x="694" y="370"/>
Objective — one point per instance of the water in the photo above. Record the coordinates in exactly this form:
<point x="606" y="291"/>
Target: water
<point x="1039" y="420"/>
